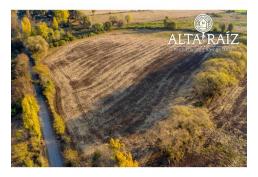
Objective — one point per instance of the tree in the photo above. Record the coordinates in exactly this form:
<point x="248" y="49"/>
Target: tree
<point x="36" y="44"/>
<point x="128" y="18"/>
<point x="169" y="24"/>
<point x="42" y="30"/>
<point x="222" y="27"/>
<point x="26" y="26"/>
<point x="59" y="124"/>
<point x="86" y="22"/>
<point x="14" y="24"/>
<point x="107" y="26"/>
<point x="113" y="19"/>
<point x="30" y="116"/>
<point x="71" y="156"/>
<point x="61" y="16"/>
<point x="230" y="27"/>
<point x="55" y="24"/>
<point x="93" y="12"/>
<point x="120" y="23"/>
<point x="97" y="27"/>
<point x="123" y="158"/>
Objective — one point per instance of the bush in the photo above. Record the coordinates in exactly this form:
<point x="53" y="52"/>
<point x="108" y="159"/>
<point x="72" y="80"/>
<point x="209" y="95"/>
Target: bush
<point x="59" y="124"/>
<point x="171" y="25"/>
<point x="21" y="155"/>
<point x="230" y="27"/>
<point x="189" y="128"/>
<point x="61" y="42"/>
<point x="71" y="157"/>
<point x="96" y="28"/>
<point x="113" y="19"/>
<point x="217" y="74"/>
<point x="222" y="27"/>
<point x="120" y="23"/>
<point x="107" y="26"/>
<point x="85" y="21"/>
<point x="168" y="24"/>
<point x="36" y="44"/>
<point x="128" y="19"/>
<point x="123" y="158"/>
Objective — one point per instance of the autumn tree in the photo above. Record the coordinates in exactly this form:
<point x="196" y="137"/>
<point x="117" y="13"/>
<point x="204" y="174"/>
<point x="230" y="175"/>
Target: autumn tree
<point x="30" y="116"/>
<point x="43" y="30"/>
<point x="26" y="26"/>
<point x="55" y="24"/>
<point x="61" y="16"/>
<point x="14" y="24"/>
<point x="128" y="18"/>
<point x="123" y="158"/>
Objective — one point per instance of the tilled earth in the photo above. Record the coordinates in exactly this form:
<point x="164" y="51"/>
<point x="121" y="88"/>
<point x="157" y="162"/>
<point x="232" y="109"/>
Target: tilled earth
<point x="118" y="84"/>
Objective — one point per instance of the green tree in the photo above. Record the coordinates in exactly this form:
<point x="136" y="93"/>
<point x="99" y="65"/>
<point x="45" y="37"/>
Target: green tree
<point x="26" y="26"/>
<point x="55" y="24"/>
<point x="107" y="26"/>
<point x="222" y="27"/>
<point x="230" y="27"/>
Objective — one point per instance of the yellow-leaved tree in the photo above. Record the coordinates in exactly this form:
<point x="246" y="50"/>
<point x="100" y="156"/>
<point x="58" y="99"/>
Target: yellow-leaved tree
<point x="55" y="24"/>
<point x="61" y="16"/>
<point x="122" y="157"/>
<point x="30" y="110"/>
<point x="26" y="26"/>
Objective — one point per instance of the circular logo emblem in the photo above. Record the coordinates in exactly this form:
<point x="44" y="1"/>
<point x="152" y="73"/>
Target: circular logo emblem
<point x="203" y="23"/>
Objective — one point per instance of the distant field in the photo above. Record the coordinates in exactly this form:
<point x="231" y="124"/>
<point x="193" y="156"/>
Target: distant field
<point x="143" y="16"/>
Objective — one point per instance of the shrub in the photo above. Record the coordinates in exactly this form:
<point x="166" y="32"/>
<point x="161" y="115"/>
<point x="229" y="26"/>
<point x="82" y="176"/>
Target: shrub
<point x="113" y="19"/>
<point x="120" y="23"/>
<point x="21" y="155"/>
<point x="85" y="21"/>
<point x="59" y="124"/>
<point x="128" y="19"/>
<point x="217" y="74"/>
<point x="36" y="44"/>
<point x="61" y="42"/>
<point x="169" y="24"/>
<point x="71" y="157"/>
<point x="189" y="127"/>
<point x="107" y="26"/>
<point x="222" y="27"/>
<point x="96" y="158"/>
<point x="123" y="158"/>
<point x="230" y="27"/>
<point x="96" y="28"/>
